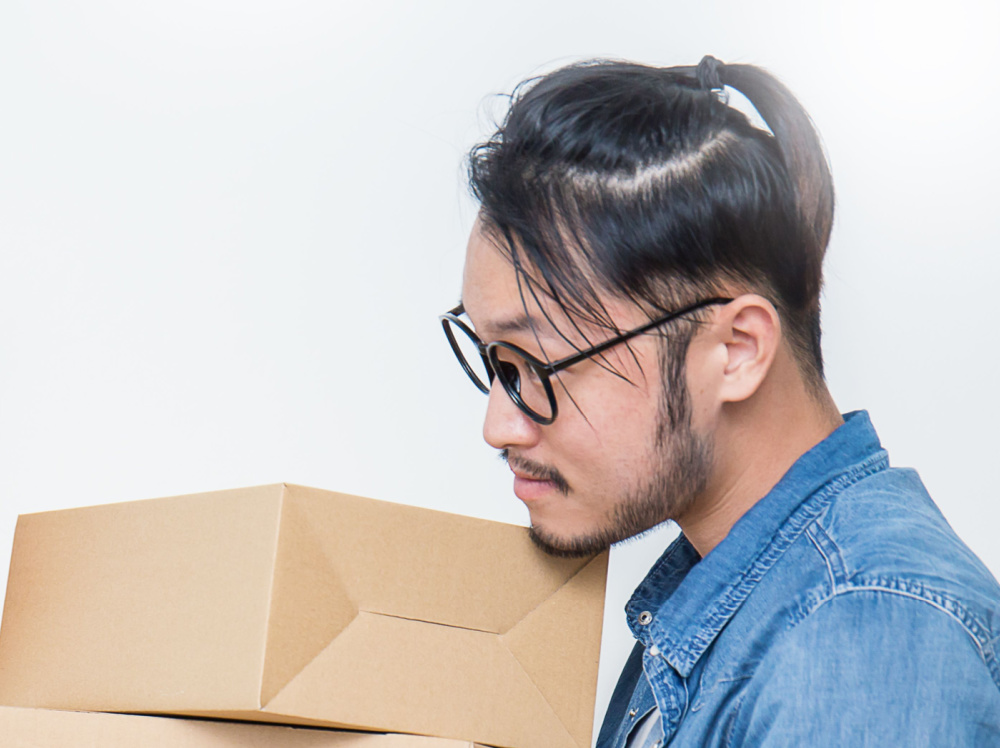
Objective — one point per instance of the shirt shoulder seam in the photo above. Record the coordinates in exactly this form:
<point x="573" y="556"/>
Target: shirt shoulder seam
<point x="915" y="590"/>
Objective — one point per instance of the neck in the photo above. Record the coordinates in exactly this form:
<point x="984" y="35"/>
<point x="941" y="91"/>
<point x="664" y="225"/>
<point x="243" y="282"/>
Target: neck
<point x="756" y="441"/>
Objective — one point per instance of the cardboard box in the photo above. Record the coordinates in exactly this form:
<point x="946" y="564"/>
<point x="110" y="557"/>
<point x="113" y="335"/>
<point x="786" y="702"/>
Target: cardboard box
<point x="45" y="728"/>
<point x="299" y="606"/>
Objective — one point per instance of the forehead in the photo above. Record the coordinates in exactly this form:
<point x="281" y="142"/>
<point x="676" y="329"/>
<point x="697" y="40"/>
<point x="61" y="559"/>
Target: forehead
<point x="488" y="276"/>
<point x="496" y="300"/>
<point x="503" y="303"/>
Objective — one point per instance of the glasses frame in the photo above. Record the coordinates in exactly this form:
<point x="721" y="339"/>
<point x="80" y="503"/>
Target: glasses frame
<point x="544" y="370"/>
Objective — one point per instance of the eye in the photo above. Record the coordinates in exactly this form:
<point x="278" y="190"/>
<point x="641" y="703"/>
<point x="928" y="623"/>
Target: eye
<point x="511" y="375"/>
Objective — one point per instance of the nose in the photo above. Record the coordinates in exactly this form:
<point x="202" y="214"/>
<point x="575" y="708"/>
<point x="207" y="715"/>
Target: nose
<point x="506" y="425"/>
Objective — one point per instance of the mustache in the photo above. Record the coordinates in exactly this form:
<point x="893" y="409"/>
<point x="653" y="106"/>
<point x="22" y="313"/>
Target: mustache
<point x="536" y="470"/>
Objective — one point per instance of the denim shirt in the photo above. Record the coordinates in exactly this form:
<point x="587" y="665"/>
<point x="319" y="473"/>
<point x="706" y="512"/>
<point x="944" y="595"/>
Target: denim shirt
<point x="841" y="610"/>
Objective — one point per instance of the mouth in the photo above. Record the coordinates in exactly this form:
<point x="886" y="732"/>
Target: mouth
<point x="532" y="480"/>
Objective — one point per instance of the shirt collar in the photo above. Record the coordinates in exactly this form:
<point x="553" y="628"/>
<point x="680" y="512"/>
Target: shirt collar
<point x="705" y="593"/>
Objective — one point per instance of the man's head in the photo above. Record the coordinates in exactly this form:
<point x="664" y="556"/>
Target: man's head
<point x="611" y="195"/>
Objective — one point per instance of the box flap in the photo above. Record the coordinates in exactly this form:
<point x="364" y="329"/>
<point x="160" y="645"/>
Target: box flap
<point x="431" y="566"/>
<point x="309" y="604"/>
<point x="546" y="644"/>
<point x="424" y="678"/>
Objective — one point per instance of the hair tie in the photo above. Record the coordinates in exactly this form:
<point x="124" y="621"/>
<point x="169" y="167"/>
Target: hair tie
<point x="709" y="73"/>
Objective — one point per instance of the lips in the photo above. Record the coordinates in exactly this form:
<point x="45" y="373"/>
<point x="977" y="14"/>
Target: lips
<point x="529" y="489"/>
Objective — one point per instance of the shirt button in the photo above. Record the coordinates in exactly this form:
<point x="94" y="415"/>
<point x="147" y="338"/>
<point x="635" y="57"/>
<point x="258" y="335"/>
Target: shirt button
<point x="645" y="618"/>
<point x="654" y="650"/>
<point x="631" y="712"/>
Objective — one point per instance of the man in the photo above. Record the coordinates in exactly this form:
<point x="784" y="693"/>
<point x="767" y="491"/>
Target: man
<point x="641" y="304"/>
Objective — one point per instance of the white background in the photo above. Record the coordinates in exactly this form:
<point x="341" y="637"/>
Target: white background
<point x="227" y="229"/>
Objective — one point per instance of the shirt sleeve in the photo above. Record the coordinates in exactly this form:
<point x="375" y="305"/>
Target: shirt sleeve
<point x="872" y="668"/>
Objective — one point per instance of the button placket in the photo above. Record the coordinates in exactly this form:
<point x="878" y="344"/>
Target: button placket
<point x="669" y="690"/>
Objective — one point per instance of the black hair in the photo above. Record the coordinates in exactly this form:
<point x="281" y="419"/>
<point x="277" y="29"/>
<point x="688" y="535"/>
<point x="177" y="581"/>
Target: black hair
<point x="643" y="183"/>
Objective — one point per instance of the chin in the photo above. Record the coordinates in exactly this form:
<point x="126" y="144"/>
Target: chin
<point x="573" y="546"/>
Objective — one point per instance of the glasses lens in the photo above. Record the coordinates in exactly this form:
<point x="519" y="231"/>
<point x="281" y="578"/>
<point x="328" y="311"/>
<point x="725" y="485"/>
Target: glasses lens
<point x="523" y="381"/>
<point x="467" y="350"/>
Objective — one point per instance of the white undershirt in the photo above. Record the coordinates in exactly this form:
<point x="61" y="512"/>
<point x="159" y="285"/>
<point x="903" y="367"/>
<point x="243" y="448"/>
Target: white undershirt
<point x="648" y="733"/>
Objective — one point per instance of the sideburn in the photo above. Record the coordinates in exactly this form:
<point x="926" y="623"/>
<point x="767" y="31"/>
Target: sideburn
<point x="675" y="405"/>
<point x="687" y="457"/>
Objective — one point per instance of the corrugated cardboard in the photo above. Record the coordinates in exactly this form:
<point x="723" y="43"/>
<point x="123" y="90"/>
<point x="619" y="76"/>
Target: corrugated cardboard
<point x="294" y="605"/>
<point x="45" y="728"/>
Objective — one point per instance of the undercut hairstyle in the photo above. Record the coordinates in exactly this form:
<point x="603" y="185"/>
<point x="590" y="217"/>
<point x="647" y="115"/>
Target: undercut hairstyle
<point x="616" y="179"/>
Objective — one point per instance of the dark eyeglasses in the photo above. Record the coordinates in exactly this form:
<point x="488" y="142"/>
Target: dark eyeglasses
<point x="525" y="378"/>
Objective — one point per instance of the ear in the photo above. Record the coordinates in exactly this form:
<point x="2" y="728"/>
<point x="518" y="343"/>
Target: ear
<point x="750" y="330"/>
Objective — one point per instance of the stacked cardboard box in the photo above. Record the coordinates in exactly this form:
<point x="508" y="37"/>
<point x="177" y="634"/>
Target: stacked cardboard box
<point x="301" y="607"/>
<point x="47" y="728"/>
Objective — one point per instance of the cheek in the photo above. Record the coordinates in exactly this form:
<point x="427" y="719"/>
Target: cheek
<point x="631" y="407"/>
<point x="615" y="423"/>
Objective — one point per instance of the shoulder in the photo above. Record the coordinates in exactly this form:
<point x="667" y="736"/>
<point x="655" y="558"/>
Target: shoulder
<point x="885" y="537"/>
<point x="880" y="536"/>
<point x="873" y="667"/>
<point x="889" y="520"/>
<point x="890" y="635"/>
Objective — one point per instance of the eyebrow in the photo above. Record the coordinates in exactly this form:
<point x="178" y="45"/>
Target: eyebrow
<point x="516" y="324"/>
<point x="520" y="323"/>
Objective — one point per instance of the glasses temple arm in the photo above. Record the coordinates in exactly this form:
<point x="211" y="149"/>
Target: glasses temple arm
<point x="556" y="366"/>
